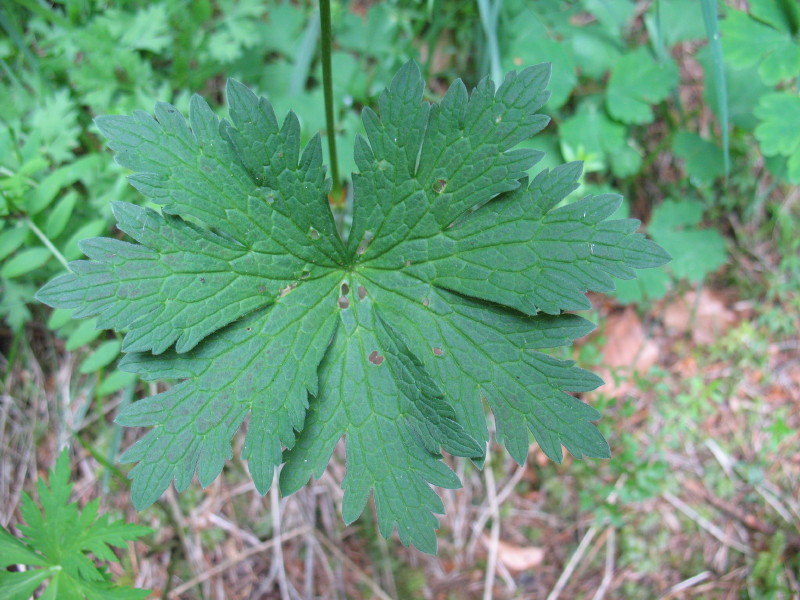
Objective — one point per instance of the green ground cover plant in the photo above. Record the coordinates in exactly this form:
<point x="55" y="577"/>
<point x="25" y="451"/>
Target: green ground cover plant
<point x="56" y="543"/>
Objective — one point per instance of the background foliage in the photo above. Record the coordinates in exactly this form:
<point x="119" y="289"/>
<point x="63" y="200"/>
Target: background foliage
<point x="702" y="483"/>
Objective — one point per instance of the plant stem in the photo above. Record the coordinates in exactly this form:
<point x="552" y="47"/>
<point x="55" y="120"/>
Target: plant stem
<point x="489" y="12"/>
<point x="327" y="84"/>
<point x="46" y="241"/>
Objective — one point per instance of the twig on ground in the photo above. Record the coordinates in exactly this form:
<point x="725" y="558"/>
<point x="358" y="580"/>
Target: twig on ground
<point x="379" y="592"/>
<point x="704" y="523"/>
<point x="685" y="585"/>
<point x="608" y="573"/>
<point x="573" y="563"/>
<point x="223" y="566"/>
<point x="193" y="555"/>
<point x="277" y="548"/>
<point x="582" y="547"/>
<point x="486" y="512"/>
<point x="491" y="496"/>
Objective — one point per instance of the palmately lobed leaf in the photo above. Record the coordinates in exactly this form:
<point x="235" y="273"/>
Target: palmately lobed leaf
<point x="57" y="539"/>
<point x="455" y="276"/>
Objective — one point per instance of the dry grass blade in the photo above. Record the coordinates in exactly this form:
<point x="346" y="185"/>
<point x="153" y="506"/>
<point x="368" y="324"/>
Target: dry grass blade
<point x="224" y="566"/>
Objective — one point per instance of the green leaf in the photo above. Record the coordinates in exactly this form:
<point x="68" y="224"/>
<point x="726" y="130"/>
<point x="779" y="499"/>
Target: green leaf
<point x="612" y="15"/>
<point x="57" y="537"/>
<point x="57" y="218"/>
<point x="638" y="81"/>
<point x="71" y="248"/>
<point x="84" y="334"/>
<point x="680" y="21"/>
<point x="779" y="130"/>
<point x="649" y="285"/>
<point x="11" y="239"/>
<point x="595" y="49"/>
<point x="770" y="45"/>
<point x="58" y="318"/>
<point x="590" y="133"/>
<point x="50" y="186"/>
<point x="695" y="252"/>
<point x="702" y="160"/>
<point x="453" y="279"/>
<point x="101" y="357"/>
<point x="25" y="261"/>
<point x="529" y="42"/>
<point x="115" y="381"/>
<point x="744" y="90"/>
<point x="21" y="585"/>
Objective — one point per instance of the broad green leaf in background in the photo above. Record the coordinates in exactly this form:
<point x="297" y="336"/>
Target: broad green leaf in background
<point x="703" y="161"/>
<point x="456" y="274"/>
<point x="25" y="261"/>
<point x="637" y="82"/>
<point x="57" y="122"/>
<point x="596" y="51"/>
<point x="529" y="42"/>
<point x="745" y="88"/>
<point x="779" y="130"/>
<point x="612" y="15"/>
<point x="102" y="356"/>
<point x="589" y="133"/>
<point x="56" y="542"/>
<point x="696" y="251"/>
<point x="12" y="238"/>
<point x="680" y="21"/>
<point x="762" y="38"/>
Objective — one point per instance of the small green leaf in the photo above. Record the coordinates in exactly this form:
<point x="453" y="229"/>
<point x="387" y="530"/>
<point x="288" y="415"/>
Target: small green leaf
<point x="695" y="252"/>
<point x="71" y="248"/>
<point x="638" y="81"/>
<point x="747" y="42"/>
<point x="56" y="540"/>
<point x="681" y="21"/>
<point x="57" y="218"/>
<point x="702" y="160"/>
<point x="86" y="333"/>
<point x="591" y="132"/>
<point x="101" y="357"/>
<point x="11" y="239"/>
<point x="530" y="42"/>
<point x="58" y="318"/>
<point x="48" y="188"/>
<point x="779" y="130"/>
<point x="115" y="381"/>
<point x="25" y="261"/>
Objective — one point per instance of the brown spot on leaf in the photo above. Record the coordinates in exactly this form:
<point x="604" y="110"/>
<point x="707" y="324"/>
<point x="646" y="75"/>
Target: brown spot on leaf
<point x="439" y="185"/>
<point x="287" y="289"/>
<point x="313" y="233"/>
<point x="438" y="352"/>
<point x="362" y="246"/>
<point x="345" y="288"/>
<point x="344" y="302"/>
<point x="362" y="292"/>
<point x="375" y="358"/>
